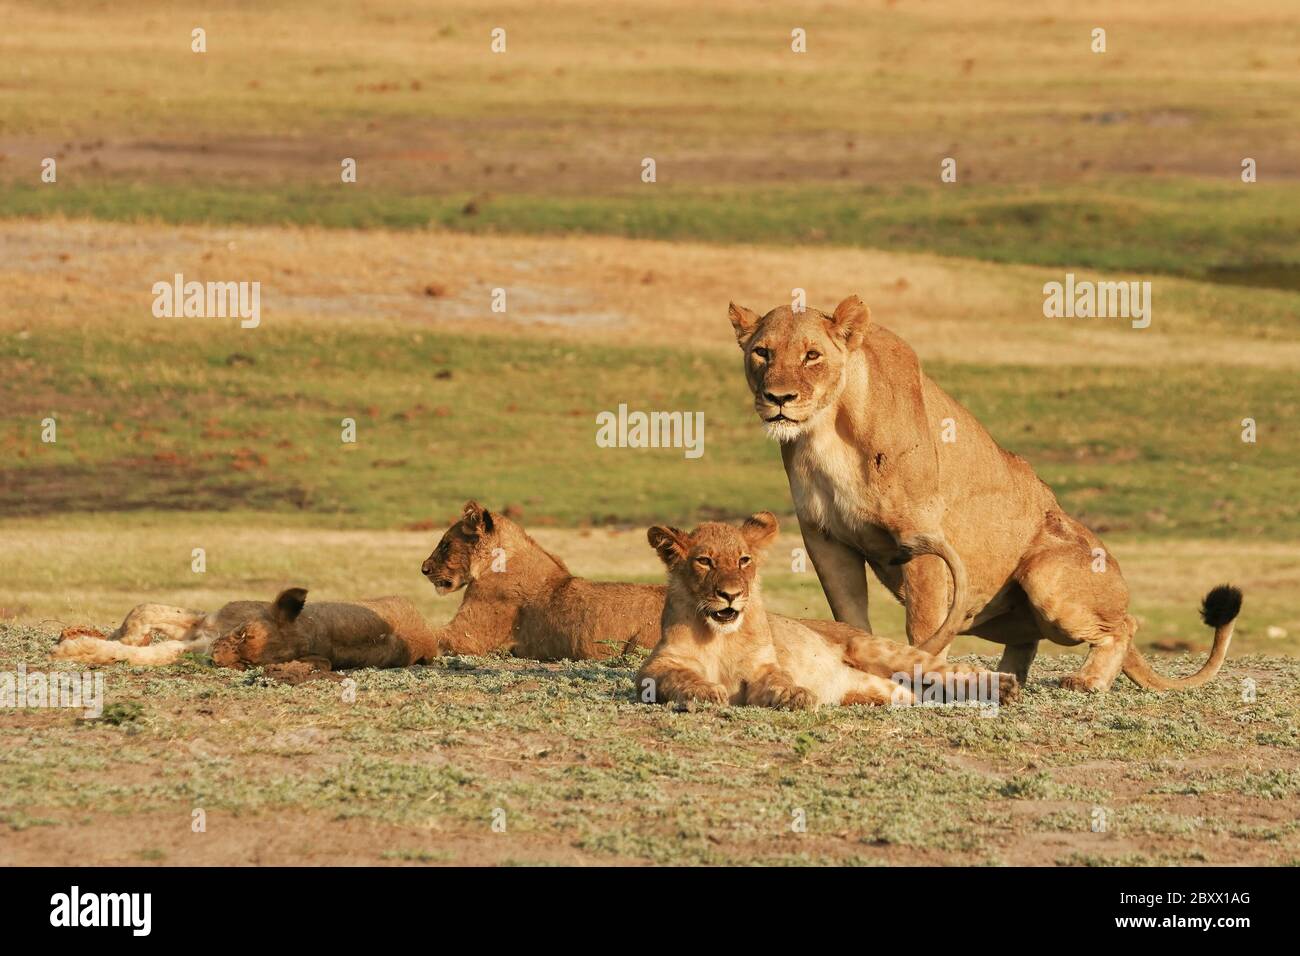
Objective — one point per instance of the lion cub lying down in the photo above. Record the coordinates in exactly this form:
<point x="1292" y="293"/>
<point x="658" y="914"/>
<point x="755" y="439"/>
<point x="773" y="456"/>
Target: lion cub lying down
<point x="384" y="632"/>
<point x="719" y="645"/>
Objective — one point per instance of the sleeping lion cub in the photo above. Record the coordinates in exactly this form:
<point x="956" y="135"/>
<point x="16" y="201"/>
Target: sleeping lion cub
<point x="719" y="645"/>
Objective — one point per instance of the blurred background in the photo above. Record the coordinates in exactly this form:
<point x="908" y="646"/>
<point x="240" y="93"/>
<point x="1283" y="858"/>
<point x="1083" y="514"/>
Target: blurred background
<point x="522" y="170"/>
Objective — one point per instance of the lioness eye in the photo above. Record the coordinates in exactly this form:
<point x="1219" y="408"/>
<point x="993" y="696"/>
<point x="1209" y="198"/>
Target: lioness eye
<point x="744" y="560"/>
<point x="764" y="354"/>
<point x="704" y="562"/>
<point x="812" y="356"/>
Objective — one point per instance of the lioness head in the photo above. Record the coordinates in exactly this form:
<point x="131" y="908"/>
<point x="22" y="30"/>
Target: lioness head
<point x="794" y="361"/>
<point x="715" y="566"/>
<point x="464" y="551"/>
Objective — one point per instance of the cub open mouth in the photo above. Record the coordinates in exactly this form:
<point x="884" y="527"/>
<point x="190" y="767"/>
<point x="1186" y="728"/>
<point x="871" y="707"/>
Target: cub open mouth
<point x="724" y="615"/>
<point x="443" y="583"/>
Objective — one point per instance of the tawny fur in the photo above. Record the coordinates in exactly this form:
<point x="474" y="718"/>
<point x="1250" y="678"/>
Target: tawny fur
<point x="719" y="645"/>
<point x="383" y="632"/>
<point x="522" y="599"/>
<point x="875" y="485"/>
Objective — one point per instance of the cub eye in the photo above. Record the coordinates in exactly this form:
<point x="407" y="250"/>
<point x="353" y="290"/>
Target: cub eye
<point x="762" y="353"/>
<point x="744" y="560"/>
<point x="704" y="562"/>
<point x="812" y="356"/>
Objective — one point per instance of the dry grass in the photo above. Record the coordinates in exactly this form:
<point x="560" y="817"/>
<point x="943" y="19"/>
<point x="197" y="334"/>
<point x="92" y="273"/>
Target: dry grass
<point x="586" y="90"/>
<point x="71" y="274"/>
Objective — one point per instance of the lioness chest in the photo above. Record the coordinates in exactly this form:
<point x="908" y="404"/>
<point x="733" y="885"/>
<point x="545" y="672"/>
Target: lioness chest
<point x="834" y="492"/>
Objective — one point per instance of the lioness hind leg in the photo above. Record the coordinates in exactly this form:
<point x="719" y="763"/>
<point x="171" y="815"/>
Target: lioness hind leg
<point x="1017" y="658"/>
<point x="1075" y="604"/>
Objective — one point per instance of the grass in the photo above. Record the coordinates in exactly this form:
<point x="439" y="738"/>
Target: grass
<point x="775" y="170"/>
<point x="199" y="427"/>
<point x="425" y="756"/>
<point x="1202" y="229"/>
<point x="1128" y="160"/>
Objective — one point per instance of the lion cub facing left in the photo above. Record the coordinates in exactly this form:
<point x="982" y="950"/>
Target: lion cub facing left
<point x="719" y="645"/>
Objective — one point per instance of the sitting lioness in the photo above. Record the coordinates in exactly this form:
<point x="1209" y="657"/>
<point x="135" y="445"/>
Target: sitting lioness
<point x="887" y="470"/>
<point x="384" y="632"/>
<point x="521" y="598"/>
<point x="720" y="646"/>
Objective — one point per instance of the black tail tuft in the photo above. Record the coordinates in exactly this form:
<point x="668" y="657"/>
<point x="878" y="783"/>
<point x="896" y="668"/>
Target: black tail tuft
<point x="1221" y="605"/>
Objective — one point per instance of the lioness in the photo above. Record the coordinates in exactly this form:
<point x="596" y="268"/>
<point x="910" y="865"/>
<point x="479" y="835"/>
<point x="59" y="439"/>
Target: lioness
<point x="859" y="425"/>
<point x="384" y="632"/>
<point x="719" y="645"/>
<point x="521" y="598"/>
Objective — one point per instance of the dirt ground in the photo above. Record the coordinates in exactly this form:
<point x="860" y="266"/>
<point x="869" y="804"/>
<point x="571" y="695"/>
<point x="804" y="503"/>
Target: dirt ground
<point x="474" y="761"/>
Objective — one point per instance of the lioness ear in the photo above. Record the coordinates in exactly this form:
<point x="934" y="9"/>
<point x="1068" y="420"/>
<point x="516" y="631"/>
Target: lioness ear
<point x="744" y="321"/>
<point x="759" y="530"/>
<point x="288" y="605"/>
<point x="850" y="321"/>
<point x="669" y="542"/>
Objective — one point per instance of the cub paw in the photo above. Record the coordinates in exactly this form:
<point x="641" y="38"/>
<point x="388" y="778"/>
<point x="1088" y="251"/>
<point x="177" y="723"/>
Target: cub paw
<point x="795" y="698"/>
<point x="705" y="693"/>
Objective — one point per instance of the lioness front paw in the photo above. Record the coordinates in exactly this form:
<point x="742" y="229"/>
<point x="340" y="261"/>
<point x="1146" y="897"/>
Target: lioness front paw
<point x="1080" y="684"/>
<point x="1008" y="688"/>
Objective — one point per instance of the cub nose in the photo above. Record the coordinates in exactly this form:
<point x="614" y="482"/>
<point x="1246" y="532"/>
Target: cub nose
<point x="780" y="399"/>
<point x="427" y="568"/>
<point x="729" y="598"/>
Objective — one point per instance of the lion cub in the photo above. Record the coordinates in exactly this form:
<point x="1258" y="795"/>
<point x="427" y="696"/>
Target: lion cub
<point x="382" y="632"/>
<point x="719" y="645"/>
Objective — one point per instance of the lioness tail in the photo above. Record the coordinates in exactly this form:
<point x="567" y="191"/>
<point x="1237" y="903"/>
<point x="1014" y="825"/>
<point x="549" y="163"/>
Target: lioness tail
<point x="1219" y="610"/>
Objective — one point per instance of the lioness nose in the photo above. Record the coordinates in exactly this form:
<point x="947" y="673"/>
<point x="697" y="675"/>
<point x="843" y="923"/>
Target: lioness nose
<point x="780" y="399"/>
<point x="729" y="598"/>
<point x="427" y="567"/>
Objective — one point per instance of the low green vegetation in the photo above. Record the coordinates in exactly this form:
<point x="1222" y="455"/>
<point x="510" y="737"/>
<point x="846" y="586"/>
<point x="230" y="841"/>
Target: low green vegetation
<point x="581" y="772"/>
<point x="210" y="421"/>
<point x="1214" y="230"/>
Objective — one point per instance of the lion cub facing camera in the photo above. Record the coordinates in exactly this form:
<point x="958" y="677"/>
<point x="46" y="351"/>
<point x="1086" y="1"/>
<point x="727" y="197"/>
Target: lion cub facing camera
<point x="718" y="644"/>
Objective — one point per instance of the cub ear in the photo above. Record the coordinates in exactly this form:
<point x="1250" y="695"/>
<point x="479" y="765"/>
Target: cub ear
<point x="744" y="321"/>
<point x="850" y="321"/>
<point x="759" y="530"/>
<point x="477" y="519"/>
<point x="288" y="605"/>
<point x="671" y="543"/>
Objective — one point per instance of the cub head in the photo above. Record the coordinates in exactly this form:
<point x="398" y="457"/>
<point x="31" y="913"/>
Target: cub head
<point x="271" y="636"/>
<point x="794" y="361"/>
<point x="715" y="566"/>
<point x="464" y="552"/>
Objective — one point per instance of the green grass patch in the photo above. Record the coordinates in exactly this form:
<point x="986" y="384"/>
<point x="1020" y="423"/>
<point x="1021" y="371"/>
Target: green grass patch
<point x="441" y="418"/>
<point x="1219" y="231"/>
